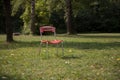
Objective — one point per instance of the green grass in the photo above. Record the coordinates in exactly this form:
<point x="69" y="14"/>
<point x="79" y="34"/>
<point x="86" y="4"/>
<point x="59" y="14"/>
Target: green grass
<point x="86" y="57"/>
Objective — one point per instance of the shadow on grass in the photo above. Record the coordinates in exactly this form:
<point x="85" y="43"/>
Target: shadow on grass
<point x="96" y="36"/>
<point x="75" y="45"/>
<point x="71" y="57"/>
<point x="19" y="44"/>
<point x="92" y="36"/>
<point x="9" y="77"/>
<point x="91" y="45"/>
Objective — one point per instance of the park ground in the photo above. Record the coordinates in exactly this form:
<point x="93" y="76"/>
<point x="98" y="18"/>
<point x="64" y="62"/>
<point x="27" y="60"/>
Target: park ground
<point x="86" y="57"/>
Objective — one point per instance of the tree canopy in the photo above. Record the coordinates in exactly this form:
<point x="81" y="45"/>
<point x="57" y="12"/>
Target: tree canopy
<point x="86" y="15"/>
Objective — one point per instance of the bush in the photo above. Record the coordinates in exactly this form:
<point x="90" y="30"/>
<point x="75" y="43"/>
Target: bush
<point x="106" y="20"/>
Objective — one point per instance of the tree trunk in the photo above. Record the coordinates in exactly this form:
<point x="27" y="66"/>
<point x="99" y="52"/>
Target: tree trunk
<point x="9" y="28"/>
<point x="69" y="16"/>
<point x="32" y="17"/>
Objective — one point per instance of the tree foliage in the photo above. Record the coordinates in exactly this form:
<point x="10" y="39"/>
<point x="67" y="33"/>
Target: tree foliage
<point x="87" y="15"/>
<point x="28" y="15"/>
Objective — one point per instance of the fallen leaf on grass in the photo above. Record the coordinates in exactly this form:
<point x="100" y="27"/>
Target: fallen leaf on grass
<point x="118" y="59"/>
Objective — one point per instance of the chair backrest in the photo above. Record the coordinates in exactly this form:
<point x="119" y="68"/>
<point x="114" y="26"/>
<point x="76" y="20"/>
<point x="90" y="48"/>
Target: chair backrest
<point x="47" y="29"/>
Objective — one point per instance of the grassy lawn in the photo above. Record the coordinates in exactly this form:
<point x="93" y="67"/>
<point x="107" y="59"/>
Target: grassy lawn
<point x="86" y="57"/>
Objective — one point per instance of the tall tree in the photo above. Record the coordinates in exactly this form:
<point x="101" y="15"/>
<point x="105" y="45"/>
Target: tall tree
<point x="32" y="26"/>
<point x="9" y="28"/>
<point x="66" y="5"/>
<point x="2" y="19"/>
<point x="69" y="16"/>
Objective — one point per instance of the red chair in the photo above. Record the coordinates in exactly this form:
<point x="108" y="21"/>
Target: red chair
<point x="47" y="42"/>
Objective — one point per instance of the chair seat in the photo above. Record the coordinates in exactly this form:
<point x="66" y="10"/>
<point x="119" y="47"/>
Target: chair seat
<point x="44" y="41"/>
<point x="55" y="41"/>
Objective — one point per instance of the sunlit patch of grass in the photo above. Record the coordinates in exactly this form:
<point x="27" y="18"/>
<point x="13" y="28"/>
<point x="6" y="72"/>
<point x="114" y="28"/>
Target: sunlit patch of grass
<point x="86" y="57"/>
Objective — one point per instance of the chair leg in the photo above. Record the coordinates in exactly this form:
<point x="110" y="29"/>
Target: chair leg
<point x="40" y="48"/>
<point x="57" y="50"/>
<point x="62" y="49"/>
<point x="47" y="49"/>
